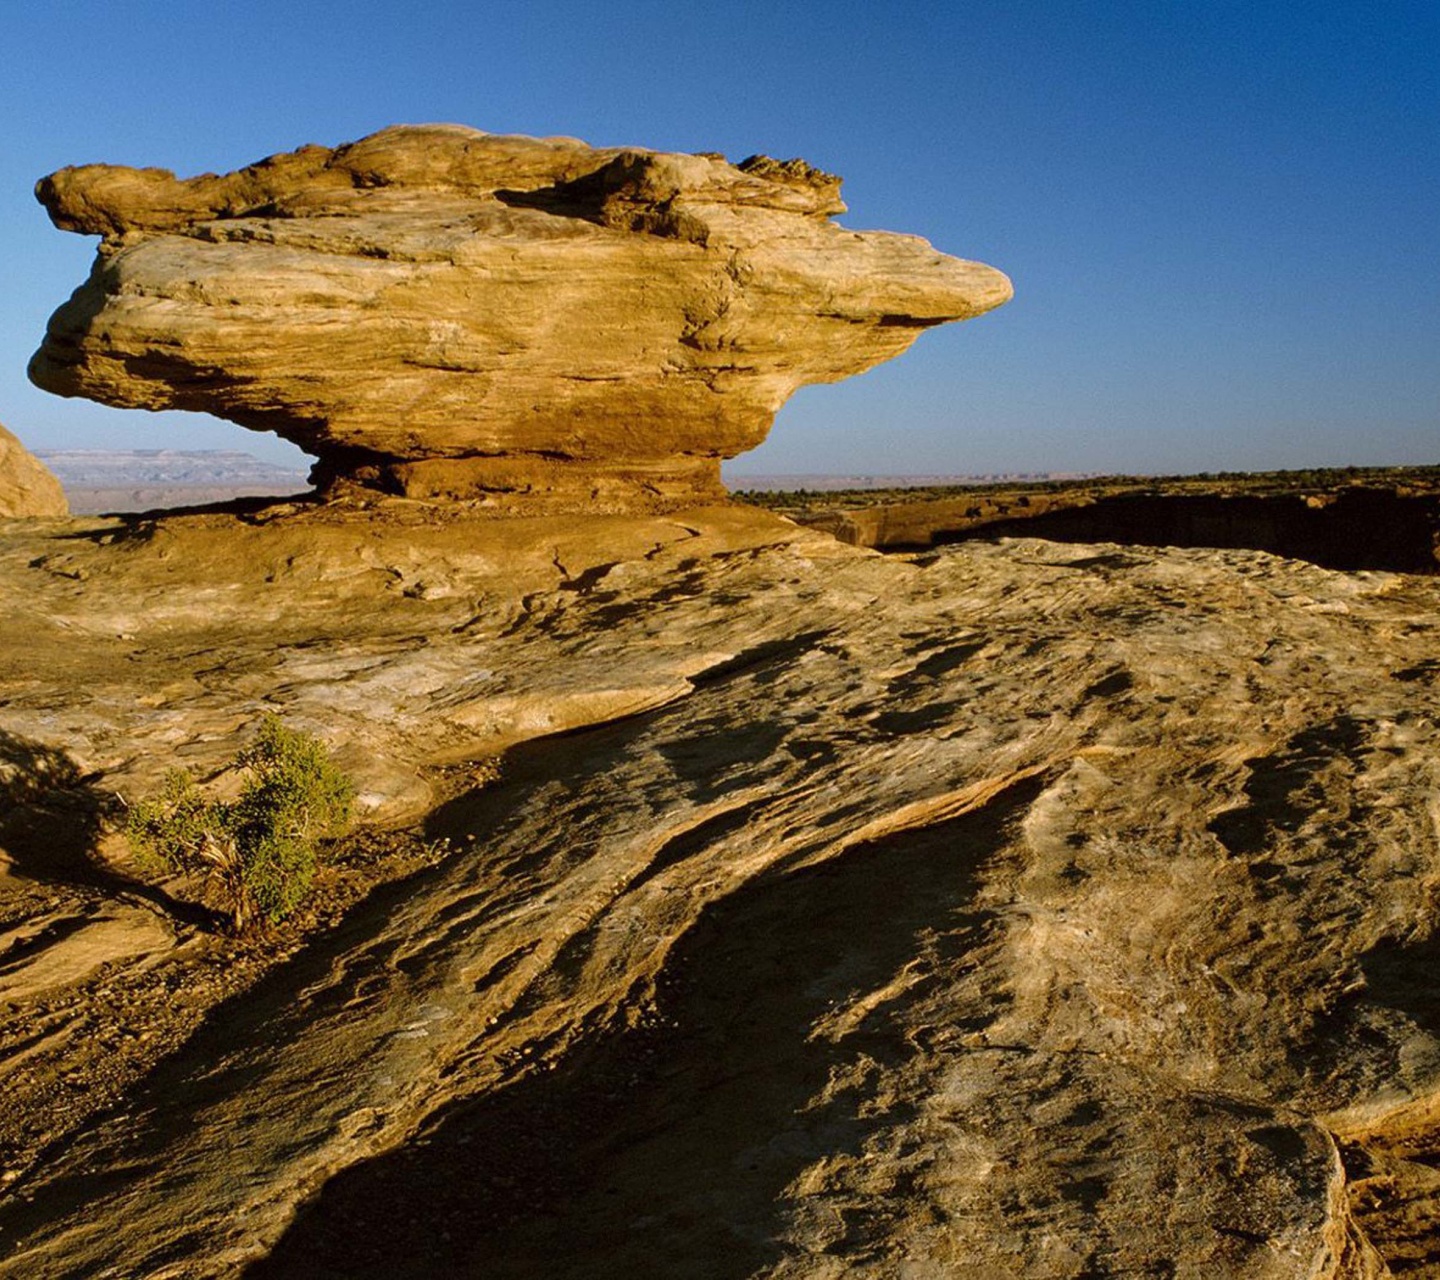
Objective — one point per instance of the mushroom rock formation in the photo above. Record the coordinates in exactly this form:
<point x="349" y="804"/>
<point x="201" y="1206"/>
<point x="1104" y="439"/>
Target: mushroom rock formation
<point x="27" y="488"/>
<point x="442" y="312"/>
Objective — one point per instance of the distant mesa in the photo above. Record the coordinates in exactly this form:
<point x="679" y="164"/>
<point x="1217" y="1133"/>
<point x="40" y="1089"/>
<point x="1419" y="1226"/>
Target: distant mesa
<point x="440" y="312"/>
<point x="119" y="480"/>
<point x="26" y="487"/>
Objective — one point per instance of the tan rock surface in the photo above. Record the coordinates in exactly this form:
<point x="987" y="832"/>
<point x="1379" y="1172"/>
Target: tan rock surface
<point x="439" y="311"/>
<point x="26" y="487"/>
<point x="1012" y="910"/>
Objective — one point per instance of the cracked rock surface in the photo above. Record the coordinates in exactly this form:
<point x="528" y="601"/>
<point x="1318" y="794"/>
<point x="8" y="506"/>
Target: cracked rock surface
<point x="437" y="311"/>
<point x="1013" y="909"/>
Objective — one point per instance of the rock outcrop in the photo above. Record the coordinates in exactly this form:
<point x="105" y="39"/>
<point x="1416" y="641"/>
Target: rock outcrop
<point x="1375" y="525"/>
<point x="26" y="487"/>
<point x="1010" y="910"/>
<point x="434" y="310"/>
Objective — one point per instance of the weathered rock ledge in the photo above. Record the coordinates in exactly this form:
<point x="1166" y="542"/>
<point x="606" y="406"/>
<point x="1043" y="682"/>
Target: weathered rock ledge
<point x="1358" y="526"/>
<point x="437" y="311"/>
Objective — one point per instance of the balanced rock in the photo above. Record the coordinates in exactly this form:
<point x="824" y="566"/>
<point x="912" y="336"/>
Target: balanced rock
<point x="26" y="487"/>
<point x="438" y="311"/>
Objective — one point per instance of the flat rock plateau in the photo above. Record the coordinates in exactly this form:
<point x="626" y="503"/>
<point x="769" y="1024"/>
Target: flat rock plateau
<point x="1014" y="908"/>
<point x="727" y="899"/>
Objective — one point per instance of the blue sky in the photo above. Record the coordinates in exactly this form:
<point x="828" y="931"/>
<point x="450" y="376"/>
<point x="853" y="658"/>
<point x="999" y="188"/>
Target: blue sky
<point x="1222" y="219"/>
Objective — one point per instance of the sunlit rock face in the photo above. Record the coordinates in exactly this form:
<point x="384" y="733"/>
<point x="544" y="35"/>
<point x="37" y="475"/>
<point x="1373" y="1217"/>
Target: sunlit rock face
<point x="26" y="486"/>
<point x="438" y="311"/>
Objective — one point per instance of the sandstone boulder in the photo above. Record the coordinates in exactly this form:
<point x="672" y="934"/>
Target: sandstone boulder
<point x="26" y="487"/>
<point x="439" y="311"/>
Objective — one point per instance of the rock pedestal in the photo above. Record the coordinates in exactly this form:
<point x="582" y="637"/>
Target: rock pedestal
<point x="438" y="311"/>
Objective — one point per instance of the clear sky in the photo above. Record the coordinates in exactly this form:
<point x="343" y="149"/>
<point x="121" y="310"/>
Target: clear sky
<point x="1222" y="219"/>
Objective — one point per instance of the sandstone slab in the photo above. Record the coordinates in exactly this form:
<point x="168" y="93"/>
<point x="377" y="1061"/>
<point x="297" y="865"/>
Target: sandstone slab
<point x="434" y="310"/>
<point x="1008" y="910"/>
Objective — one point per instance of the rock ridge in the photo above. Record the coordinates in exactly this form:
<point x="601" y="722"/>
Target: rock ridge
<point x="441" y="312"/>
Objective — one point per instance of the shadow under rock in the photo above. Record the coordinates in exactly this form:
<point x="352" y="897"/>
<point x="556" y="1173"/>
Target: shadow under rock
<point x="51" y="817"/>
<point x="666" y="1151"/>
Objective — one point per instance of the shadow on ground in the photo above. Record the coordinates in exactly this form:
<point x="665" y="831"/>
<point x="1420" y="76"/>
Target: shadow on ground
<point x="666" y="1151"/>
<point x="50" y="813"/>
<point x="1359" y="529"/>
<point x="51" y="818"/>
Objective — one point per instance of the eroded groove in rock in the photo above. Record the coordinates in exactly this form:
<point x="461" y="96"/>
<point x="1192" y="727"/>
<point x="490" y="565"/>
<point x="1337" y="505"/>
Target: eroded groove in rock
<point x="1383" y="519"/>
<point x="1358" y="529"/>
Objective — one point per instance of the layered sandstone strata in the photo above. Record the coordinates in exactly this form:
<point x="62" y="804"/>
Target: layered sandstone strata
<point x="26" y="487"/>
<point x="1016" y="910"/>
<point x="434" y="310"/>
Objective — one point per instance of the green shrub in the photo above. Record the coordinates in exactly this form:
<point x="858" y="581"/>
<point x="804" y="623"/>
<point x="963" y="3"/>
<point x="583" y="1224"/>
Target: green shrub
<point x="262" y="847"/>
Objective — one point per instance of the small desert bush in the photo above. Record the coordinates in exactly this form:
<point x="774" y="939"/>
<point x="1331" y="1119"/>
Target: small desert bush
<point x="262" y="847"/>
